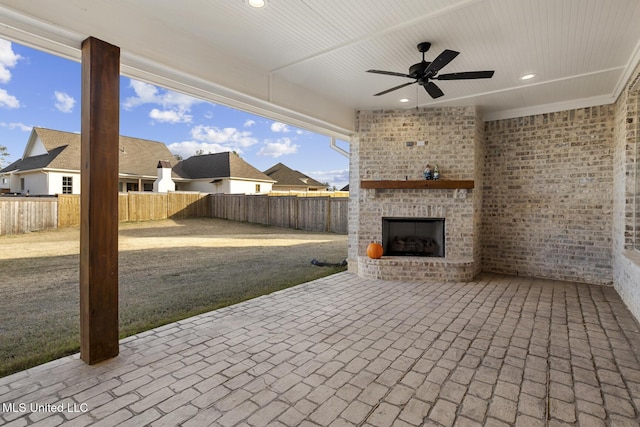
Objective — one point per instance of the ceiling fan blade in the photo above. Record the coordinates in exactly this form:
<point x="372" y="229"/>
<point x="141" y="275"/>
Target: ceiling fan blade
<point x="394" y="88"/>
<point x="466" y="75"/>
<point x="433" y="90"/>
<point x="443" y="59"/>
<point x="389" y="73"/>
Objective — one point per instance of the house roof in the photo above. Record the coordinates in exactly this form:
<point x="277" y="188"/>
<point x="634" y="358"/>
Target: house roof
<point x="284" y="175"/>
<point x="141" y="156"/>
<point x="218" y="166"/>
<point x="137" y="156"/>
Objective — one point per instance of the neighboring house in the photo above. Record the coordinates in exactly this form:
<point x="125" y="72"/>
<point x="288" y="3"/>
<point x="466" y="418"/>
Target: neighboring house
<point x="292" y="180"/>
<point x="222" y="173"/>
<point x="51" y="164"/>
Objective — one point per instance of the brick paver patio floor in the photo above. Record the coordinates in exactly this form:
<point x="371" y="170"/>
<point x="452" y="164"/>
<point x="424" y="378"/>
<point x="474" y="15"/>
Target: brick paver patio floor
<point x="344" y="350"/>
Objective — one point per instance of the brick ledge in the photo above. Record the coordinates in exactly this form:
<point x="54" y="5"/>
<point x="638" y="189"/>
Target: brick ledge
<point x="416" y="268"/>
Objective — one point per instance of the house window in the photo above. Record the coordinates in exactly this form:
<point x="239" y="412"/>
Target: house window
<point x="147" y="187"/>
<point x="67" y="185"/>
<point x="5" y="180"/>
<point x="21" y="184"/>
<point x="257" y="188"/>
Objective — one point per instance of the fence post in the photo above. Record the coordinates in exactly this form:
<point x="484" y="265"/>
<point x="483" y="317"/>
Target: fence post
<point x="328" y="229"/>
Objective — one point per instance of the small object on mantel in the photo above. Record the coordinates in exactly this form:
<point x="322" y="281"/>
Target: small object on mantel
<point x="427" y="173"/>
<point x="436" y="172"/>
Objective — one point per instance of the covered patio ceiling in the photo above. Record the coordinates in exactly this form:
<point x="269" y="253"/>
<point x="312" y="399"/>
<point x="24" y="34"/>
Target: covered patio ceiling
<point x="304" y="62"/>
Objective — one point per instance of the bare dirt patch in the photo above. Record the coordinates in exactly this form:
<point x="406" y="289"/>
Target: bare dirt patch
<point x="167" y="270"/>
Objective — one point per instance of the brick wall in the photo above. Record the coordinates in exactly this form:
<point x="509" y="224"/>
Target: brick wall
<point x="553" y="195"/>
<point x="626" y="260"/>
<point x="548" y="204"/>
<point x="380" y="152"/>
<point x="480" y="153"/>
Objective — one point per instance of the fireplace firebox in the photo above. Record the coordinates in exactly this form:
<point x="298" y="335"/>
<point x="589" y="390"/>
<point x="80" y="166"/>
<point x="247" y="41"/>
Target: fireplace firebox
<point x="413" y="237"/>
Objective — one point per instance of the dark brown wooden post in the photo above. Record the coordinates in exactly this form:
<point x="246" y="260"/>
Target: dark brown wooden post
<point x="99" y="201"/>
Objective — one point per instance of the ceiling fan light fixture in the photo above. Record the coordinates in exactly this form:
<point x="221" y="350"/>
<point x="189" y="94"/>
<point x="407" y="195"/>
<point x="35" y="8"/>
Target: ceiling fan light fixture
<point x="424" y="72"/>
<point x="404" y="100"/>
<point x="527" y="76"/>
<point x="257" y="4"/>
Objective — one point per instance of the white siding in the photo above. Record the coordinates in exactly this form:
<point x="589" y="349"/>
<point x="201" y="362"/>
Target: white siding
<point x="14" y="183"/>
<point x="34" y="183"/>
<point x="55" y="182"/>
<point x="36" y="149"/>
<point x="5" y="185"/>
<point x="204" y="186"/>
<point x="249" y="187"/>
<point x="225" y="186"/>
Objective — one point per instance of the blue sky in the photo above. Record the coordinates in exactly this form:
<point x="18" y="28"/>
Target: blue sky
<point x="39" y="89"/>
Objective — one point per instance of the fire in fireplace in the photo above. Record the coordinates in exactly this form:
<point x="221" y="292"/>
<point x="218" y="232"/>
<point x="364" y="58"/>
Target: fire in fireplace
<point x="413" y="236"/>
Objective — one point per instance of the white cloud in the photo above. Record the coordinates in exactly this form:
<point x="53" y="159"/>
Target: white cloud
<point x="187" y="149"/>
<point x="5" y="74"/>
<point x="170" y="116"/>
<point x="338" y="174"/>
<point x="8" y="101"/>
<point x="338" y="177"/>
<point x="175" y="106"/>
<point x="278" y="148"/>
<point x="210" y="139"/>
<point x="230" y="137"/>
<point x="145" y="94"/>
<point x="8" y="59"/>
<point x="279" y="127"/>
<point x="14" y="125"/>
<point x="64" y="102"/>
<point x="248" y="123"/>
<point x="178" y="99"/>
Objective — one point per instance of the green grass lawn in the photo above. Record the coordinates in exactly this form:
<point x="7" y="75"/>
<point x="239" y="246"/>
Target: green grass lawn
<point x="167" y="272"/>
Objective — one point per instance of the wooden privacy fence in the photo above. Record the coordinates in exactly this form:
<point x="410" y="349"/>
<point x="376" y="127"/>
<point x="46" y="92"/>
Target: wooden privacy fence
<point x="325" y="214"/>
<point x="25" y="214"/>
<point x="141" y="206"/>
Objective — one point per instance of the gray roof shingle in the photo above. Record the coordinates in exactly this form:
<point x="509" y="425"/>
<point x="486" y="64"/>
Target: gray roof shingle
<point x="286" y="176"/>
<point x="217" y="166"/>
<point x="137" y="156"/>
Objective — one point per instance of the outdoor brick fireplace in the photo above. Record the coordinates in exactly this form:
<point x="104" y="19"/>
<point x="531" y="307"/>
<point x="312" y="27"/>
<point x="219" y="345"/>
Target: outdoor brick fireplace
<point x="395" y="206"/>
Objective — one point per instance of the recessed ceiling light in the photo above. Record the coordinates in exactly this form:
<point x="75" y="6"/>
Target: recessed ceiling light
<point x="527" y="76"/>
<point x="404" y="100"/>
<point x="258" y="4"/>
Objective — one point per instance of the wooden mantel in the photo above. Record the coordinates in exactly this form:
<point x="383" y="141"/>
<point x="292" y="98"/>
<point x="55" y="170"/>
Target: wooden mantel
<point x="417" y="184"/>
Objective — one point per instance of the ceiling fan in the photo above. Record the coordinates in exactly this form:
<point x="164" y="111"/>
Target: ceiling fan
<point x="425" y="71"/>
